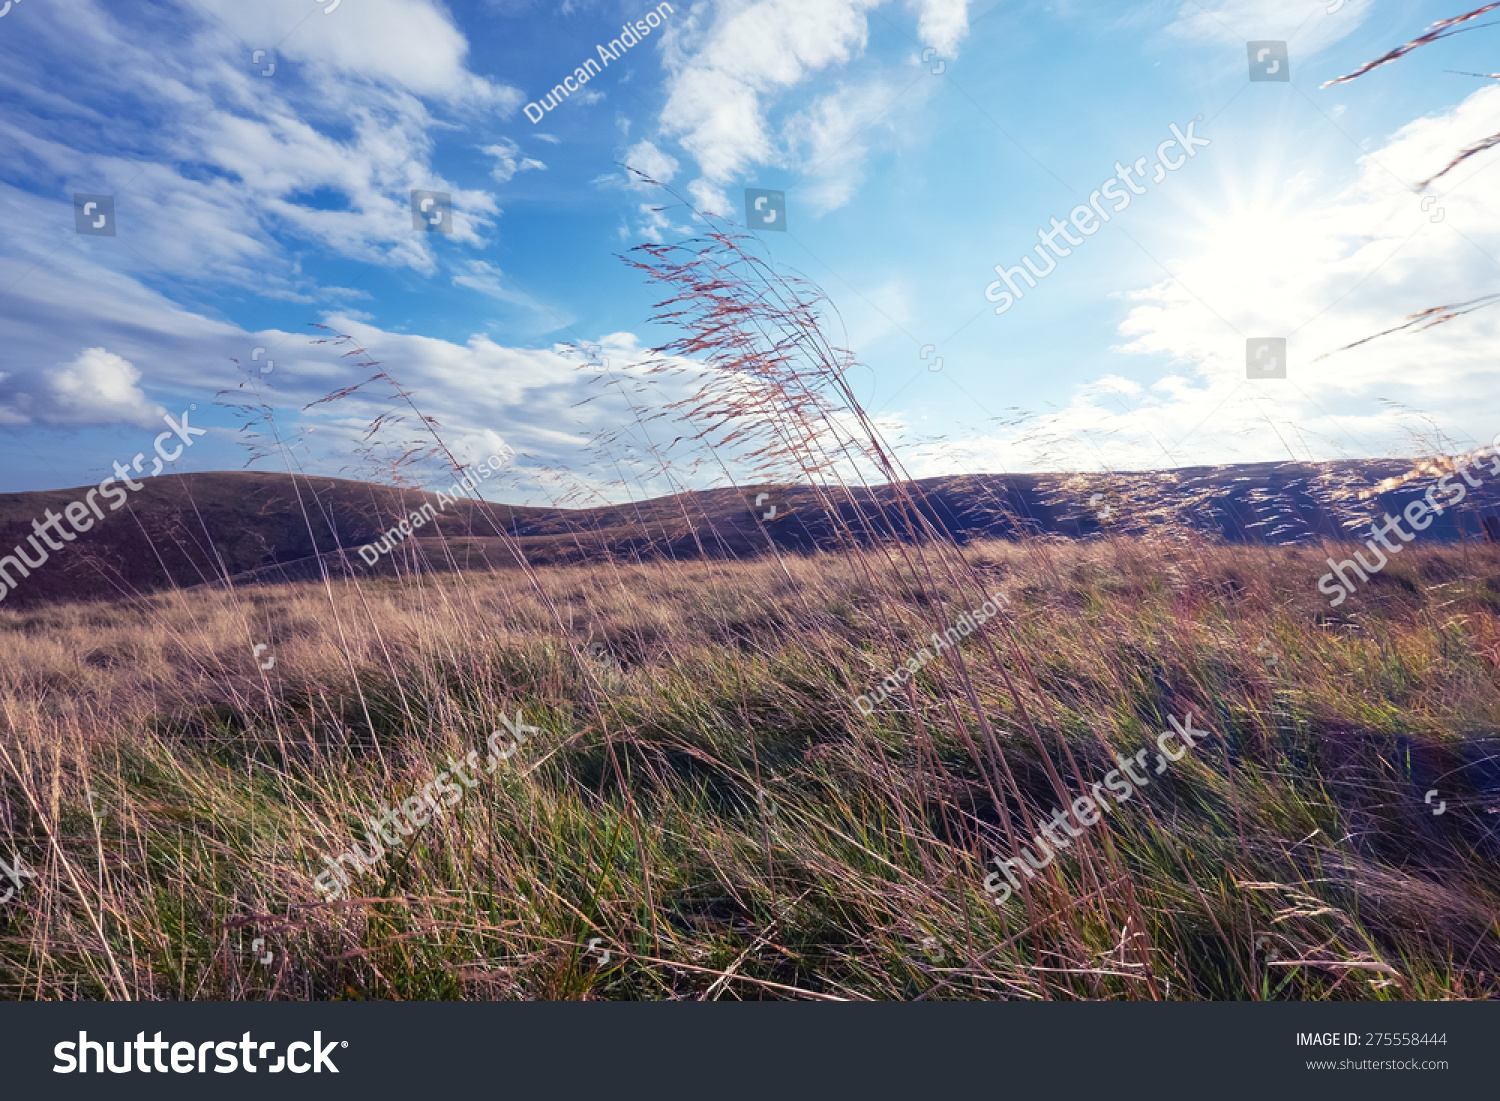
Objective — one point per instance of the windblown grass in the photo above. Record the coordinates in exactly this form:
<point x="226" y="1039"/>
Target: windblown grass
<point x="706" y="798"/>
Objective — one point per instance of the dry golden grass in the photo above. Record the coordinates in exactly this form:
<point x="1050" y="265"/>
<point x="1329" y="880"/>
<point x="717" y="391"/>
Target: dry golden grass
<point x="707" y="799"/>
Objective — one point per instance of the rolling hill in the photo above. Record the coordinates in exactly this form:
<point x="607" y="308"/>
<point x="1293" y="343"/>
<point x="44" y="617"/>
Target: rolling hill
<point x="194" y="529"/>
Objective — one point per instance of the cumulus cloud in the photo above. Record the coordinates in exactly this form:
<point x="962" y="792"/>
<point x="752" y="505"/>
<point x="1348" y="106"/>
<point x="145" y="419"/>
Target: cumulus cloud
<point x="715" y="99"/>
<point x="97" y="387"/>
<point x="941" y="24"/>
<point x="727" y="74"/>
<point x="646" y="157"/>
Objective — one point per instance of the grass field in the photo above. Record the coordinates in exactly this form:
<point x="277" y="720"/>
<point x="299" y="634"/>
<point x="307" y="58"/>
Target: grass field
<point x="705" y="799"/>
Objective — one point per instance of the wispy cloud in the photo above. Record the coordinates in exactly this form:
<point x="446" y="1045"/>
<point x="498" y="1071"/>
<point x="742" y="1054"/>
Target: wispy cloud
<point x="508" y="160"/>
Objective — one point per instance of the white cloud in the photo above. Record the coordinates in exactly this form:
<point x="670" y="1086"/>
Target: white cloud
<point x="412" y="45"/>
<point x="710" y="198"/>
<point x="654" y="225"/>
<point x="1324" y="268"/>
<point x="508" y="160"/>
<point x="1306" y="25"/>
<point x="97" y="388"/>
<point x="715" y="99"/>
<point x="646" y="157"/>
<point x="728" y="73"/>
<point x="325" y="150"/>
<point x="833" y="137"/>
<point x="654" y="221"/>
<point x="478" y="391"/>
<point x="537" y="316"/>
<point x="941" y="24"/>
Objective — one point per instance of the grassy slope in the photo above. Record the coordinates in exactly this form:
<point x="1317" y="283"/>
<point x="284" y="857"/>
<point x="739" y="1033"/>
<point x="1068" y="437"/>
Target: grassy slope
<point x="707" y="800"/>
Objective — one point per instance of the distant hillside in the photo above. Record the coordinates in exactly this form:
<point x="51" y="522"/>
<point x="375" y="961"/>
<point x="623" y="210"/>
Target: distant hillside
<point x="185" y="530"/>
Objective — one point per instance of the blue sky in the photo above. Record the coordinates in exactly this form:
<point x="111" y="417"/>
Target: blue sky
<point x="249" y="205"/>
